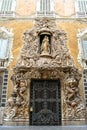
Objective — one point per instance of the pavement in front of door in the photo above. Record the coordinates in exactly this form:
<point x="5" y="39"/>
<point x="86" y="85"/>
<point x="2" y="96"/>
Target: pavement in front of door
<point x="43" y="127"/>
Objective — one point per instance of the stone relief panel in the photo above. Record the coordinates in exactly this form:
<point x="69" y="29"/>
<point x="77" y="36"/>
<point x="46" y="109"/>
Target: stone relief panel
<point x="73" y="104"/>
<point x="45" y="65"/>
<point x="18" y="104"/>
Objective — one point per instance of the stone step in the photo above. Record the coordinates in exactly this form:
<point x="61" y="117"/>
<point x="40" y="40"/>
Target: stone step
<point x="43" y="127"/>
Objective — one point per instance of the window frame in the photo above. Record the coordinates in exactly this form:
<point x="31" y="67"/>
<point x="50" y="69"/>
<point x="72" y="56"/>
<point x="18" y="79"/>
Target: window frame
<point x="45" y="8"/>
<point x="80" y="8"/>
<point x="82" y="33"/>
<point x="84" y="76"/>
<point x="4" y="48"/>
<point x="7" y="8"/>
<point x="4" y="89"/>
<point x="84" y="46"/>
<point x="7" y="34"/>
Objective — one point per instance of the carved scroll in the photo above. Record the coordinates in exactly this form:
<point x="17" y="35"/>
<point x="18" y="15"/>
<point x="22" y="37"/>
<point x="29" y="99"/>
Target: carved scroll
<point x="57" y="65"/>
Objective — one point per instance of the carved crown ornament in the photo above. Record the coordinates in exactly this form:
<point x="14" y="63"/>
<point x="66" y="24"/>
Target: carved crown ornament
<point x="45" y="55"/>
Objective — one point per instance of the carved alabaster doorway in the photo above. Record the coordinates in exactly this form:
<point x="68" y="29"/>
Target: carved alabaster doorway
<point x="44" y="56"/>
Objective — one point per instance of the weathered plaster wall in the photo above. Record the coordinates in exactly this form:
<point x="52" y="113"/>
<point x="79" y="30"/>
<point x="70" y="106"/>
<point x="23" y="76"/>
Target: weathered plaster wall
<point x="26" y="8"/>
<point x="71" y="28"/>
<point x="18" y="28"/>
<point x="65" y="7"/>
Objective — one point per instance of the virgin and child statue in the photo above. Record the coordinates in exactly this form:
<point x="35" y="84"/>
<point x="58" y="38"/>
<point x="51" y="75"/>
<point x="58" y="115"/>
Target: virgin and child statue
<point x="45" y="46"/>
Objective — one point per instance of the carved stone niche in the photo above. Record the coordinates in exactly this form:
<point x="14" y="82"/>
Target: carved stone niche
<point x="45" y="43"/>
<point x="52" y="62"/>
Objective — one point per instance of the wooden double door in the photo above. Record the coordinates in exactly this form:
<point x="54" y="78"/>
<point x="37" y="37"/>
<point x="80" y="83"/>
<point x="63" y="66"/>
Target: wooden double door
<point x="45" y="102"/>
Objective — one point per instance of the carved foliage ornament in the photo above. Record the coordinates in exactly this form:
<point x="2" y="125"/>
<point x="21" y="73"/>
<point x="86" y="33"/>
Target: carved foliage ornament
<point x="57" y="64"/>
<point x="30" y="56"/>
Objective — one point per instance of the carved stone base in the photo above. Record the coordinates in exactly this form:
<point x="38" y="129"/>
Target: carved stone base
<point x="17" y="122"/>
<point x="46" y="55"/>
<point x="74" y="122"/>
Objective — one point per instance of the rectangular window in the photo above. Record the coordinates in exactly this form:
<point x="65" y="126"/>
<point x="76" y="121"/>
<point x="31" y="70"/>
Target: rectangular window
<point x="85" y="86"/>
<point x="3" y="96"/>
<point x="84" y="80"/>
<point x="3" y="100"/>
<point x="3" y="104"/>
<point x="85" y="49"/>
<point x="6" y="76"/>
<point x="4" y="89"/>
<point x="7" y="7"/>
<point x="5" y="83"/>
<point x="1" y="81"/>
<point x="3" y="48"/>
<point x="81" y="8"/>
<point x="45" y="8"/>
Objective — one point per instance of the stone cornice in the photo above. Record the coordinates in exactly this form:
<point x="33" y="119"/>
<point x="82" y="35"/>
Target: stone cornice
<point x="59" y="19"/>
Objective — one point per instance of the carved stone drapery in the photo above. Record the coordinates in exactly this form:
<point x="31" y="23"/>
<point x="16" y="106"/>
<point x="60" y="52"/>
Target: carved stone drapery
<point x="57" y="65"/>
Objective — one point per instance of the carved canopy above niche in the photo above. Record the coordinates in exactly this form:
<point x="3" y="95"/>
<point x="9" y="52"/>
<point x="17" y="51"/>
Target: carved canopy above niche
<point x="45" y="55"/>
<point x="58" y="55"/>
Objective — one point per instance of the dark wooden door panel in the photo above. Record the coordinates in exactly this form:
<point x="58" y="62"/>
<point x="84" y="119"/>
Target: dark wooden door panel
<point x="45" y="102"/>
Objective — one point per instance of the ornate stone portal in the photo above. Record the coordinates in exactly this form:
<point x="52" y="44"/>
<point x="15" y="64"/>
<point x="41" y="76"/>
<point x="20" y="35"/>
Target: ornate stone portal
<point x="49" y="61"/>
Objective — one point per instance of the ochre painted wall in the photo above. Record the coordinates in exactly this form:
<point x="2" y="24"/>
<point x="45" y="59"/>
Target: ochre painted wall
<point x="71" y="28"/>
<point x="18" y="28"/>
